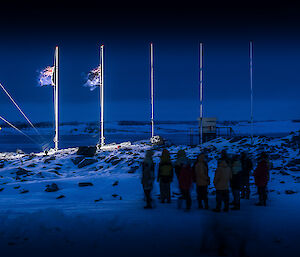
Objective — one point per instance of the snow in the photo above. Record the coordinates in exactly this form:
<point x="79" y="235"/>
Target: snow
<point x="108" y="219"/>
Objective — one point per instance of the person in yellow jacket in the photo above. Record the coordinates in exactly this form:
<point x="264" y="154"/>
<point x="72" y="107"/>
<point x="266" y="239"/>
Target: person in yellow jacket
<point x="202" y="180"/>
<point x="221" y="181"/>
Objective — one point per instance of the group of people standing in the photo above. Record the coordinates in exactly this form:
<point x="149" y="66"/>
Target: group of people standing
<point x="232" y="172"/>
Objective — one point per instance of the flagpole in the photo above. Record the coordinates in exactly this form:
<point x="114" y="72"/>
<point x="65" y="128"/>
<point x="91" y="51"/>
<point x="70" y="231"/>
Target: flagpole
<point x="102" y="96"/>
<point x="56" y="100"/>
<point x="152" y="89"/>
<point x="201" y="93"/>
<point x="251" y="87"/>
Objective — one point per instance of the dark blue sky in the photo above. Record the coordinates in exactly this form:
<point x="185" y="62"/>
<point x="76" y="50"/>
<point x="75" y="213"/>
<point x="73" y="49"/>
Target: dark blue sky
<point x="30" y="33"/>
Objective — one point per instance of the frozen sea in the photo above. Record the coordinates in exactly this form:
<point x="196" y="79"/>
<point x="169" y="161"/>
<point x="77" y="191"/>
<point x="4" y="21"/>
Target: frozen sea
<point x="178" y="133"/>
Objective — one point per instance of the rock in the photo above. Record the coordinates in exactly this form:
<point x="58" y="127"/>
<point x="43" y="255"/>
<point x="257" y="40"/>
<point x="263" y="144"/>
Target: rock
<point x="86" y="162"/>
<point x="133" y="169"/>
<point x="289" y="192"/>
<point x="297" y="179"/>
<point x="24" y="191"/>
<point x="114" y="195"/>
<point x="113" y="158"/>
<point x="52" y="188"/>
<point x="77" y="160"/>
<point x="282" y="172"/>
<point x="22" y="171"/>
<point x="55" y="171"/>
<point x="85" y="184"/>
<point x="282" y="182"/>
<point x="60" y="197"/>
<point x="40" y="175"/>
<point x="115" y="183"/>
<point x="48" y="160"/>
<point x="1" y="189"/>
<point x="275" y="156"/>
<point x="98" y="200"/>
<point x="295" y="169"/>
<point x="294" y="162"/>
<point x="115" y="162"/>
<point x="130" y="162"/>
<point x="235" y="139"/>
<point x="88" y="151"/>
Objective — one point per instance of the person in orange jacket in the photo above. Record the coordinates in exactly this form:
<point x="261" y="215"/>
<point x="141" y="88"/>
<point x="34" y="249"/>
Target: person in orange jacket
<point x="202" y="180"/>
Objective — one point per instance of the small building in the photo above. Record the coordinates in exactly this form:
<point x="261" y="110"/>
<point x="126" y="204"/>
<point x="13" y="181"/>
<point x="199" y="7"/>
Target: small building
<point x="209" y="128"/>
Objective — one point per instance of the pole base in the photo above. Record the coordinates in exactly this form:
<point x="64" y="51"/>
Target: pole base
<point x="157" y="140"/>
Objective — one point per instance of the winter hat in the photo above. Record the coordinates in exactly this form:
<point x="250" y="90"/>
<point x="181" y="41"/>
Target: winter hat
<point x="181" y="158"/>
<point x="148" y="156"/>
<point x="165" y="156"/>
<point x="201" y="157"/>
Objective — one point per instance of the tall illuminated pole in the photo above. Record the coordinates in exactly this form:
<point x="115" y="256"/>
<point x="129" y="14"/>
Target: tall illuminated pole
<point x="251" y="87"/>
<point x="201" y="92"/>
<point x="56" y="100"/>
<point x="152" y="89"/>
<point x="102" y="138"/>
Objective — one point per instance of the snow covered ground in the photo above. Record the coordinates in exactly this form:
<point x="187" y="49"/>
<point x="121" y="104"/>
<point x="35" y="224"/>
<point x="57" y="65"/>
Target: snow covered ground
<point x="105" y="217"/>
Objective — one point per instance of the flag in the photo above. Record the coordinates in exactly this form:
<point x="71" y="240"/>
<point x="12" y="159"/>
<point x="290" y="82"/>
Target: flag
<point x="46" y="77"/>
<point x="94" y="78"/>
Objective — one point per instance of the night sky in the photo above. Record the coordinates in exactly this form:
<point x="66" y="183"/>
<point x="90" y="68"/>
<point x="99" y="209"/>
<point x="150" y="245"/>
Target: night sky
<point x="30" y="32"/>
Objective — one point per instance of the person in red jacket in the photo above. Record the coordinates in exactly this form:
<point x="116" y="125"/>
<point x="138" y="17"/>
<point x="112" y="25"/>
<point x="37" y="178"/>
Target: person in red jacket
<point x="186" y="177"/>
<point x="261" y="176"/>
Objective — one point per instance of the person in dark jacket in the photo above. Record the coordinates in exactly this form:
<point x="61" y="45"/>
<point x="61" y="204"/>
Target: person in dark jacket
<point x="235" y="182"/>
<point x="261" y="176"/>
<point x="165" y="176"/>
<point x="180" y="161"/>
<point x="226" y="157"/>
<point x="148" y="177"/>
<point x="202" y="180"/>
<point x="185" y="183"/>
<point x="247" y="166"/>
